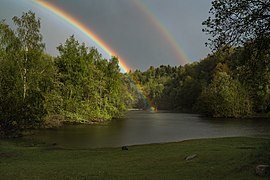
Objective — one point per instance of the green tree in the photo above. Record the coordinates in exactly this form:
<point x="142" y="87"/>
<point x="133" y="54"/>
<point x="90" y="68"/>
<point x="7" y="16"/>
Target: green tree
<point x="187" y="94"/>
<point x="250" y="64"/>
<point x="23" y="74"/>
<point x="224" y="97"/>
<point x="245" y="26"/>
<point x="77" y="83"/>
<point x="92" y="87"/>
<point x="116" y="93"/>
<point x="234" y="22"/>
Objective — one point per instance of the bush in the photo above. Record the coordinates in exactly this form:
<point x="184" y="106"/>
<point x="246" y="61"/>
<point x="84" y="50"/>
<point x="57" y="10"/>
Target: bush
<point x="224" y="97"/>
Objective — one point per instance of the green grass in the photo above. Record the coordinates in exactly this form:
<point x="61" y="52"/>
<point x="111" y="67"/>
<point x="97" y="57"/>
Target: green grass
<point x="223" y="158"/>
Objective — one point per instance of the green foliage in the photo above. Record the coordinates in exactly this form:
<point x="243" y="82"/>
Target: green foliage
<point x="221" y="85"/>
<point x="91" y="87"/>
<point x="188" y="92"/>
<point x="234" y="22"/>
<point x="153" y="83"/>
<point x="251" y="65"/>
<point x="22" y="75"/>
<point x="224" y="97"/>
<point x="35" y="87"/>
<point x="244" y="24"/>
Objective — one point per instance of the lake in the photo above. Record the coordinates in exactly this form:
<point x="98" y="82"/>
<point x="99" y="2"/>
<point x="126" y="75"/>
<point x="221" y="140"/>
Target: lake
<point x="142" y="127"/>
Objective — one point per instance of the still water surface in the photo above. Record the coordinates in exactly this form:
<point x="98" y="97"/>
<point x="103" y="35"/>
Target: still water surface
<point x="141" y="127"/>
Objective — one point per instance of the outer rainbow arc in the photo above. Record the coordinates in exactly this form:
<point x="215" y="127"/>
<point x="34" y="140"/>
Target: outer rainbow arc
<point x="85" y="30"/>
<point x="163" y="30"/>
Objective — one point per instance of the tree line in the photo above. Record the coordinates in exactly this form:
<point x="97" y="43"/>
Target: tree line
<point x="234" y="80"/>
<point x="39" y="90"/>
<point x="224" y="84"/>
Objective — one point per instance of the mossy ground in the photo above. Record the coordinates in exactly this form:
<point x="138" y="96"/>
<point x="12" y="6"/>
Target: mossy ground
<point x="222" y="158"/>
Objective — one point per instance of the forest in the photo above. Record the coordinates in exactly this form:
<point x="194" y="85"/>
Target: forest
<point x="232" y="81"/>
<point x="79" y="86"/>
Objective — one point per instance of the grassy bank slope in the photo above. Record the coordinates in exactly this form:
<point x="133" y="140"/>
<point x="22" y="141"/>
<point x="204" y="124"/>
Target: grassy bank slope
<point x="224" y="158"/>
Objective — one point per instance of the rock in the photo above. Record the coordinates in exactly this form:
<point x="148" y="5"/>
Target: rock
<point x="188" y="158"/>
<point x="124" y="148"/>
<point x="263" y="170"/>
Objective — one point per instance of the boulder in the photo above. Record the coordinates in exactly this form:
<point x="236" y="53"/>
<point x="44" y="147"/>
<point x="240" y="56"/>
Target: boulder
<point x="263" y="170"/>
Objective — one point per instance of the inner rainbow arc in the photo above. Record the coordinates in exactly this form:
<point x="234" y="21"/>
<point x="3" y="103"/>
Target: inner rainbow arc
<point x="90" y="34"/>
<point x="84" y="29"/>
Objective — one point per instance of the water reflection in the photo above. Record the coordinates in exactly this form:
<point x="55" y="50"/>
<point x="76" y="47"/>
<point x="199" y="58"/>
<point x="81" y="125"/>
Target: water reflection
<point x="140" y="127"/>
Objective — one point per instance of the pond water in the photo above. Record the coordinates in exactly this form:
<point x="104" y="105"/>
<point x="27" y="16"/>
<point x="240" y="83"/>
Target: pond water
<point x="141" y="127"/>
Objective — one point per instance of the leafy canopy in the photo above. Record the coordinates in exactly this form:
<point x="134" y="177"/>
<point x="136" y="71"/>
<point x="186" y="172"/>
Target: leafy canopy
<point x="234" y="22"/>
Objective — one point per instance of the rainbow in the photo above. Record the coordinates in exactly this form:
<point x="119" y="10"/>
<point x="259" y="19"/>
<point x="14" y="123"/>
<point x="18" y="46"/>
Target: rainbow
<point x="164" y="32"/>
<point x="85" y="30"/>
<point x="94" y="37"/>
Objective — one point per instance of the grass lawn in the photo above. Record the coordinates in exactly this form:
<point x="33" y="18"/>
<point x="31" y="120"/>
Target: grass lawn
<point x="222" y="158"/>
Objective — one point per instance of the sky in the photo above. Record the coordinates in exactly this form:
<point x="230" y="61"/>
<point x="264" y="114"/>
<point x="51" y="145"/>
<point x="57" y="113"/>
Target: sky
<point x="142" y="33"/>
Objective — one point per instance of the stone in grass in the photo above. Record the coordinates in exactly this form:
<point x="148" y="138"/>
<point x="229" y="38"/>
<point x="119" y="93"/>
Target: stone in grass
<point x="188" y="158"/>
<point x="263" y="170"/>
<point x="124" y="148"/>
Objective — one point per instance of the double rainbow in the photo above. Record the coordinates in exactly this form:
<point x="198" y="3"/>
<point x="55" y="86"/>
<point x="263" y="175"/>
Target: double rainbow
<point x="109" y="50"/>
